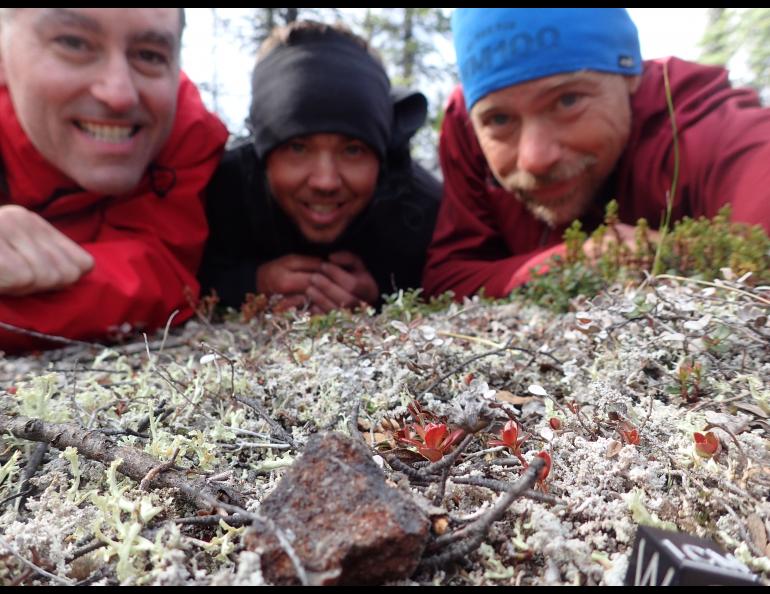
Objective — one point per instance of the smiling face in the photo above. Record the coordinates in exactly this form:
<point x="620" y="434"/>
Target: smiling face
<point x="94" y="88"/>
<point x="554" y="141"/>
<point x="322" y="182"/>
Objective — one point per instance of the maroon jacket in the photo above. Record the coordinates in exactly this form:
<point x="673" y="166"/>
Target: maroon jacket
<point x="146" y="246"/>
<point x="484" y="237"/>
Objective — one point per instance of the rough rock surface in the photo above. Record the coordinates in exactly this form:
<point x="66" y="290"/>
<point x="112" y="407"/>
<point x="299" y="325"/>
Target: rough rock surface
<point x="348" y="525"/>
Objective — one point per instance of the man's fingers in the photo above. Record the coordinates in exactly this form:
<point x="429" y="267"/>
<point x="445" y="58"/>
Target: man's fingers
<point x="53" y="261"/>
<point x="321" y="302"/>
<point x="36" y="255"/>
<point x="339" y="276"/>
<point x="287" y="274"/>
<point x="16" y="277"/>
<point x="292" y="283"/>
<point x="75" y="255"/>
<point x="324" y="291"/>
<point x="347" y="260"/>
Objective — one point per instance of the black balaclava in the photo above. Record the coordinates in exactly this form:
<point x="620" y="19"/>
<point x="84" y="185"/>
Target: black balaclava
<point x="326" y="83"/>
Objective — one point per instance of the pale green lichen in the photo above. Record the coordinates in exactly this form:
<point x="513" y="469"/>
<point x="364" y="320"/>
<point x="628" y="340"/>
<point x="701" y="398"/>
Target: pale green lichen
<point x="640" y="513"/>
<point x="71" y="455"/>
<point x="121" y="524"/>
<point x="7" y="473"/>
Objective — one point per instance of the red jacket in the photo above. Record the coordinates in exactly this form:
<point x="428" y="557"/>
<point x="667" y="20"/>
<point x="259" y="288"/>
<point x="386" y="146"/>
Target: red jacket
<point x="146" y="246"/>
<point x="484" y="237"/>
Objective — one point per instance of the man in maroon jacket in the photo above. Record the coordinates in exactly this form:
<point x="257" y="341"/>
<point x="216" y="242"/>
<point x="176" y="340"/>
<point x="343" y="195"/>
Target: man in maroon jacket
<point x="557" y="115"/>
<point x="105" y="149"/>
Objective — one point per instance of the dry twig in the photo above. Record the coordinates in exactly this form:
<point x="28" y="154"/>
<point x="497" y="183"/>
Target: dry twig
<point x="474" y="533"/>
<point x="95" y="446"/>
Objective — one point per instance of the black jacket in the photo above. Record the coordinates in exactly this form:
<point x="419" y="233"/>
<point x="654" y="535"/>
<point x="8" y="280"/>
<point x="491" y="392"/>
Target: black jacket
<point x="248" y="228"/>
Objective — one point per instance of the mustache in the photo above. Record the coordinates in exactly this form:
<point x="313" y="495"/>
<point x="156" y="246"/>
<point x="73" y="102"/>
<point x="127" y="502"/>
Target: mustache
<point x="526" y="182"/>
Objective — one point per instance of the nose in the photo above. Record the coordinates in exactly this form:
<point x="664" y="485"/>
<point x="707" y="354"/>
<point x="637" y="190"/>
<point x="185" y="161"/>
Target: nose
<point x="325" y="174"/>
<point x="115" y="86"/>
<point x="539" y="147"/>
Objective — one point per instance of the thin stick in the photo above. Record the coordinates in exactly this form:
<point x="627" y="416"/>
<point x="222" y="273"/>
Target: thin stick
<point x="477" y="530"/>
<point x="49" y="337"/>
<point x="144" y="484"/>
<point x="500" y="486"/>
<point x="461" y="366"/>
<point x="12" y="497"/>
<point x="89" y="548"/>
<point x="495" y="344"/>
<point x="31" y="469"/>
<point x="698" y="281"/>
<point x="166" y="329"/>
<point x="55" y="578"/>
<point x="742" y="529"/>
<point x="353" y="423"/>
<point x="278" y="431"/>
<point x="732" y="435"/>
<point x="234" y="520"/>
<point x="649" y="415"/>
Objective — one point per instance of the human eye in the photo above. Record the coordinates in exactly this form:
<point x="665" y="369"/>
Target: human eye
<point x="72" y="43"/>
<point x="149" y="60"/>
<point x="498" y="120"/>
<point x="295" y="146"/>
<point x="499" y="124"/>
<point x="355" y="149"/>
<point x="152" y="57"/>
<point x="569" y="100"/>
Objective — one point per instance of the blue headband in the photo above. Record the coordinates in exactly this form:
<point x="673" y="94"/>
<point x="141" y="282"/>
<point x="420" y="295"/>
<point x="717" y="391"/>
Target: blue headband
<point x="500" y="47"/>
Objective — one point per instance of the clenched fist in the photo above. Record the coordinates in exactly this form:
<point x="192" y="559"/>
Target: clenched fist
<point x="35" y="256"/>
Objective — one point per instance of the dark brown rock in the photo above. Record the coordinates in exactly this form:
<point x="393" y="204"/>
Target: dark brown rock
<point x="346" y="525"/>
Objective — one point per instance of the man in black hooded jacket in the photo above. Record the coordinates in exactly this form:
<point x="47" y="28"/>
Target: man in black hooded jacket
<point x="323" y="205"/>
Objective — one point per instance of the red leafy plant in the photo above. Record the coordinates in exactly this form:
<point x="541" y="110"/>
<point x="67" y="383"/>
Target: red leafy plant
<point x="545" y="471"/>
<point x="707" y="445"/>
<point x="509" y="437"/>
<point x="432" y="437"/>
<point x="628" y="433"/>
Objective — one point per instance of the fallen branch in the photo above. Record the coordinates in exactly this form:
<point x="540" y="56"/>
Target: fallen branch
<point x="48" y="337"/>
<point x="473" y="534"/>
<point x="234" y="520"/>
<point x="501" y="486"/>
<point x="136" y="465"/>
<point x="84" y="550"/>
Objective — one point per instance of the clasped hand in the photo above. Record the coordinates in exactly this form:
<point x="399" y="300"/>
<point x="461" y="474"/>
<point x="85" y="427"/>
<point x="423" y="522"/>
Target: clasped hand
<point x="342" y="281"/>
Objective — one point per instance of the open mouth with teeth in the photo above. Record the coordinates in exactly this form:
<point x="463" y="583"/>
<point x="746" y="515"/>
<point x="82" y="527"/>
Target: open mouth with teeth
<point x="107" y="133"/>
<point x="323" y="208"/>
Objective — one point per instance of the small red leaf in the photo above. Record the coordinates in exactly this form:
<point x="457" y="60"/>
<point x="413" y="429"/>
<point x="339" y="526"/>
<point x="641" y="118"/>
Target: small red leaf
<point x="543" y="474"/>
<point x="707" y="445"/>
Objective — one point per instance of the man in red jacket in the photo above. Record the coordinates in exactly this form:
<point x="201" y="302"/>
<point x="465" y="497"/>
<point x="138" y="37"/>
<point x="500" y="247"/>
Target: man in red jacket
<point x="105" y="149"/>
<point x="557" y="115"/>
